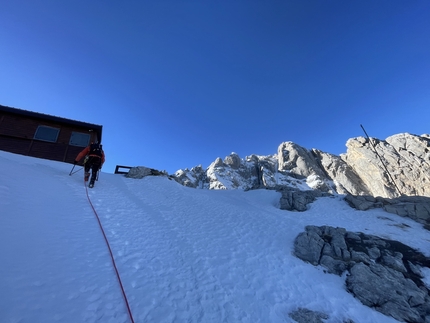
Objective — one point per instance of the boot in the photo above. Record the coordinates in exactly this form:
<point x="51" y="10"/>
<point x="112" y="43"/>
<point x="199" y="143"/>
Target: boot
<point x="87" y="176"/>
<point x="93" y="179"/>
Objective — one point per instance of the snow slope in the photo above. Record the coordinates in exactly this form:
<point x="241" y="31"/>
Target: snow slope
<point x="184" y="255"/>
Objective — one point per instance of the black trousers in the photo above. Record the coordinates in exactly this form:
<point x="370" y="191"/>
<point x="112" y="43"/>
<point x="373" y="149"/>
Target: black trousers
<point x="94" y="164"/>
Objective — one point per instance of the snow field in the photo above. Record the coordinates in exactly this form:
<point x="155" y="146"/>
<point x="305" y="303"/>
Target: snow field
<point x="184" y="255"/>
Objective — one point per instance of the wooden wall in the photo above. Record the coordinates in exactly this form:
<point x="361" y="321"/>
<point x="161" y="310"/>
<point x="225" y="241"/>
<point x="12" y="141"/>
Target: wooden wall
<point x="17" y="133"/>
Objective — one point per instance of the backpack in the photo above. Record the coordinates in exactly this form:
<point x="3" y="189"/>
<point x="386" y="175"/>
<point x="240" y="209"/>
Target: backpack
<point x="96" y="149"/>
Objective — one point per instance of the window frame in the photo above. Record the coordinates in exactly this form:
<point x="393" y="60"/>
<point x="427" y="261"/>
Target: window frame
<point x="79" y="134"/>
<point x="42" y="136"/>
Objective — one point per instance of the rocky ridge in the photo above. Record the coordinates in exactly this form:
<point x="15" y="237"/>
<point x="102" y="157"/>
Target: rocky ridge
<point x="399" y="165"/>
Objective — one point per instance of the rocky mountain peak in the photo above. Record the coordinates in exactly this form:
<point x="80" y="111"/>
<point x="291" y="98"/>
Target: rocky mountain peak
<point x="398" y="165"/>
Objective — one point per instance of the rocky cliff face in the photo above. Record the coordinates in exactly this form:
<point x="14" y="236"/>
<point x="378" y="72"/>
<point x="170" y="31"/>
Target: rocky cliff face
<point x="387" y="168"/>
<point x="406" y="158"/>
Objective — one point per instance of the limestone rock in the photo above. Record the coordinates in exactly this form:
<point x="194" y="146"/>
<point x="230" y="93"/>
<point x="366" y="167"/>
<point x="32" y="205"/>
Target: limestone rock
<point x="233" y="161"/>
<point x="191" y="178"/>
<point x="298" y="160"/>
<point x="304" y="315"/>
<point x="400" y="164"/>
<point x="308" y="246"/>
<point x="388" y="291"/>
<point x="382" y="274"/>
<point x="141" y="171"/>
<point x="296" y="200"/>
<point x="414" y="207"/>
<point x="345" y="179"/>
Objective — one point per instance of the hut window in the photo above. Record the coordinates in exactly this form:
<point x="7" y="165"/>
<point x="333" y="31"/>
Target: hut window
<point x="46" y="133"/>
<point x="79" y="139"/>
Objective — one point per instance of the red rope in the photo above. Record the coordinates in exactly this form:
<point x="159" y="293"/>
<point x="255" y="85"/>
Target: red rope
<point x="111" y="255"/>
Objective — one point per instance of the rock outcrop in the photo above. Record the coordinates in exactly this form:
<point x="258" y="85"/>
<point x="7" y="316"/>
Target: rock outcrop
<point x="304" y="315"/>
<point x="382" y="274"/>
<point x="399" y="165"/>
<point x="191" y="178"/>
<point x="297" y="200"/>
<point x="415" y="207"/>
<point x="141" y="172"/>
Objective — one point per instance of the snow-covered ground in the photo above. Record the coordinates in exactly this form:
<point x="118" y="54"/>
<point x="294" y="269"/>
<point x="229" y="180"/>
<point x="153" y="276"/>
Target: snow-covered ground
<point x="184" y="255"/>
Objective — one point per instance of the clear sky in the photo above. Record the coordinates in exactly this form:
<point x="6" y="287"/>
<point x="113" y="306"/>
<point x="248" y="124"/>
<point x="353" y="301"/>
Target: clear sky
<point x="176" y="83"/>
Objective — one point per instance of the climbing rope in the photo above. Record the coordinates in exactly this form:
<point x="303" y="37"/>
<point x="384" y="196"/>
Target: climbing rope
<point x="111" y="255"/>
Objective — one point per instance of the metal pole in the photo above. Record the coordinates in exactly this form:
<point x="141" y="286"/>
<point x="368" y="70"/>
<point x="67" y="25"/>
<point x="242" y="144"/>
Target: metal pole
<point x="380" y="158"/>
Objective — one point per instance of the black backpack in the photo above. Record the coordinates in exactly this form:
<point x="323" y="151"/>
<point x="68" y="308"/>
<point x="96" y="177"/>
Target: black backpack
<point x="96" y="149"/>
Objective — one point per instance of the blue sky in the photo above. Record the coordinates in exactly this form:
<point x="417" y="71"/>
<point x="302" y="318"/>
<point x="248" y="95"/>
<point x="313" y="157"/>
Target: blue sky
<point x="176" y="84"/>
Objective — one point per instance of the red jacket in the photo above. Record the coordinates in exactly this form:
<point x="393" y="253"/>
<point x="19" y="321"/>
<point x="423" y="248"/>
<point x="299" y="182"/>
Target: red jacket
<point x="86" y="152"/>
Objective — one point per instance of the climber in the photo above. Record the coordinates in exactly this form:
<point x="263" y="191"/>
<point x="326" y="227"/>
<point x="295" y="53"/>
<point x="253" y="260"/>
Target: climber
<point x="94" y="159"/>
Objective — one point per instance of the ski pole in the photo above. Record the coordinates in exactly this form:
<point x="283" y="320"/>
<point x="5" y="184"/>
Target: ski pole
<point x="75" y="171"/>
<point x="70" y="174"/>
